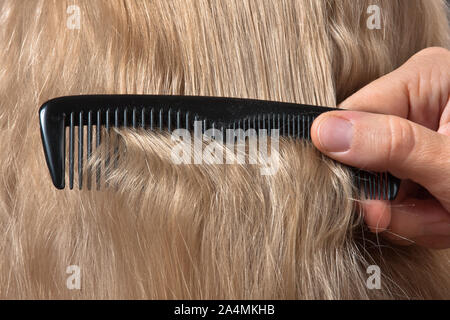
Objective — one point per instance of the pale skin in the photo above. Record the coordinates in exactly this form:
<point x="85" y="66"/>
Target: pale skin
<point x="400" y="123"/>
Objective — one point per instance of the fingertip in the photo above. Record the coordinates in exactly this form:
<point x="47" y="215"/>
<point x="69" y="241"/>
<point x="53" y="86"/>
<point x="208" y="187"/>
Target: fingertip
<point x="315" y="131"/>
<point x="332" y="132"/>
<point x="377" y="215"/>
<point x="356" y="102"/>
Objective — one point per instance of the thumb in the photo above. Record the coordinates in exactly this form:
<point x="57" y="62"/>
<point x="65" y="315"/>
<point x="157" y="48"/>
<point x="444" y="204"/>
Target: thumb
<point x="381" y="142"/>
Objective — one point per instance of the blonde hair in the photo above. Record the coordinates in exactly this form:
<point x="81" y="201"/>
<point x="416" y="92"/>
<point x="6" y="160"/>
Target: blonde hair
<point x="206" y="231"/>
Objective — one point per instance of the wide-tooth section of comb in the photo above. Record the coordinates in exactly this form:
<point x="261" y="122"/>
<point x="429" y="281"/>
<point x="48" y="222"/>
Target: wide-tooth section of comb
<point x="158" y="113"/>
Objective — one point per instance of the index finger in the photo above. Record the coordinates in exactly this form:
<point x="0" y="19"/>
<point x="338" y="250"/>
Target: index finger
<point x="418" y="90"/>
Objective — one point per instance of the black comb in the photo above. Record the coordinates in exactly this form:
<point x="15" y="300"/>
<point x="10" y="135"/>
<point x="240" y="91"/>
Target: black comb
<point x="153" y="112"/>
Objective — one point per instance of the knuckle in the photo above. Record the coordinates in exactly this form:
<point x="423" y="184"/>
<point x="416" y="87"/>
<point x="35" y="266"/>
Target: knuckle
<point x="431" y="55"/>
<point x="434" y="51"/>
<point x="401" y="142"/>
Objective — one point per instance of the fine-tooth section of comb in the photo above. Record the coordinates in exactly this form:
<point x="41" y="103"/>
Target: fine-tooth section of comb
<point x="376" y="185"/>
<point x="97" y="145"/>
<point x="71" y="148"/>
<point x="158" y="113"/>
<point x="80" y="153"/>
<point x="89" y="148"/>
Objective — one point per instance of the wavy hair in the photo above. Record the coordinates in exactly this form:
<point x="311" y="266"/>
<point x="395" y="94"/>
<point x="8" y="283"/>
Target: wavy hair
<point x="201" y="231"/>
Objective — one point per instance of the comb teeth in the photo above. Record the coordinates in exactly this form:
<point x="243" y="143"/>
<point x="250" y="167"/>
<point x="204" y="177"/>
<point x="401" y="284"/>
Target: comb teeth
<point x="158" y="113"/>
<point x="376" y="185"/>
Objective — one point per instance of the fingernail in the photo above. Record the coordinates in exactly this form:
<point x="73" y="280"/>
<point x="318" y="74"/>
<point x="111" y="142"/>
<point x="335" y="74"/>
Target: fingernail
<point x="335" y="134"/>
<point x="436" y="229"/>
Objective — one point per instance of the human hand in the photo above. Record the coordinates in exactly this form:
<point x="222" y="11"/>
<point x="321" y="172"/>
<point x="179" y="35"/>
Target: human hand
<point x="400" y="124"/>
